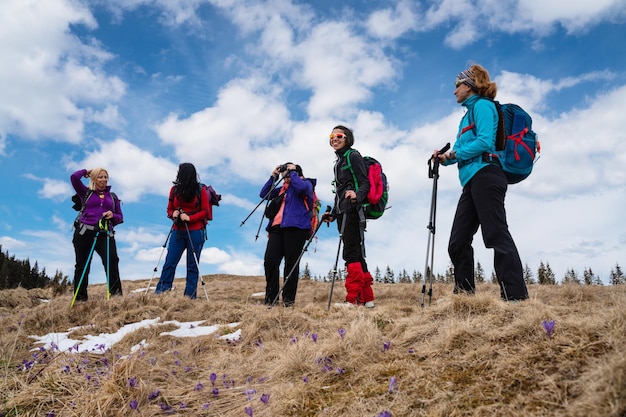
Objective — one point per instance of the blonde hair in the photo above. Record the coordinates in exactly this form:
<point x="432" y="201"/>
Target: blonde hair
<point x="93" y="176"/>
<point x="484" y="86"/>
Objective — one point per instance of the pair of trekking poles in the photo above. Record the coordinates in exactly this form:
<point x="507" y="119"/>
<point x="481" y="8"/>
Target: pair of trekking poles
<point x="195" y="258"/>
<point x="433" y="172"/>
<point x="103" y="226"/>
<point x="305" y="247"/>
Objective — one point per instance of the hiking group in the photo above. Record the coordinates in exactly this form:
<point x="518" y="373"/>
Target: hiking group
<point x="489" y="142"/>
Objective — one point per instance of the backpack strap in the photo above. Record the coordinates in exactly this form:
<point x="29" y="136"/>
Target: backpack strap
<point x="82" y="206"/>
<point x="500" y="130"/>
<point x="349" y="166"/>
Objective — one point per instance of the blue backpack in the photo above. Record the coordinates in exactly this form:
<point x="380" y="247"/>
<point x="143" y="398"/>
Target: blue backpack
<point x="517" y="146"/>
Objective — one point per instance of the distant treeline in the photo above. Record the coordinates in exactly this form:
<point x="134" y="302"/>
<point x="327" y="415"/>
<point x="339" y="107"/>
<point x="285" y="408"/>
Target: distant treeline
<point x="544" y="276"/>
<point x="16" y="273"/>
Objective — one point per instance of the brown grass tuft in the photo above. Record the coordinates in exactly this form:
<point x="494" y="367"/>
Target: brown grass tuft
<point x="459" y="356"/>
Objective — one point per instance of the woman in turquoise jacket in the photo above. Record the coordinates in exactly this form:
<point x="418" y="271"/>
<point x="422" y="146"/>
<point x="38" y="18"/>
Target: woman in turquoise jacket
<point x="484" y="190"/>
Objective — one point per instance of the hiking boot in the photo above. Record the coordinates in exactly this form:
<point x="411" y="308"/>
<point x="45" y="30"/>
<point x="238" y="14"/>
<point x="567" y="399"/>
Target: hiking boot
<point x="345" y="304"/>
<point x="369" y="304"/>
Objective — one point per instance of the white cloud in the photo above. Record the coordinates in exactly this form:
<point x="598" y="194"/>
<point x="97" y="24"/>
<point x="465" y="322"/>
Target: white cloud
<point x="391" y="23"/>
<point x="51" y="79"/>
<point x="9" y="243"/>
<point x="133" y="172"/>
<point x="471" y="20"/>
<point x="218" y="135"/>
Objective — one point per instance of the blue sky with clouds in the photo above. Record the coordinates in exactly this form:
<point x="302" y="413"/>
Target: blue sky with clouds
<point x="237" y="87"/>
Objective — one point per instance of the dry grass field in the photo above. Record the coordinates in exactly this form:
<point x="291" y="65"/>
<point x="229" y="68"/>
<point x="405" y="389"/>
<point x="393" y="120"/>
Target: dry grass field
<point x="460" y="356"/>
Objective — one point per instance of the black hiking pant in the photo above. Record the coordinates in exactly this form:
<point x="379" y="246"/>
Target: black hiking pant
<point x="285" y="242"/>
<point x="482" y="204"/>
<point x="82" y="247"/>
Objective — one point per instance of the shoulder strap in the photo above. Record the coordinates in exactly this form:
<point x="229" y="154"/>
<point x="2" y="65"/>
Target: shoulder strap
<point x="500" y="131"/>
<point x="347" y="156"/>
<point x="82" y="207"/>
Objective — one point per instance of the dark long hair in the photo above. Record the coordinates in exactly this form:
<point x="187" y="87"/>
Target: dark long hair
<point x="186" y="184"/>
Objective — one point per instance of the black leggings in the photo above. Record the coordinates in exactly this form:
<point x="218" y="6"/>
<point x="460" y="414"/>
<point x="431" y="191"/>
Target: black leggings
<point x="283" y="242"/>
<point x="82" y="247"/>
<point x="482" y="204"/>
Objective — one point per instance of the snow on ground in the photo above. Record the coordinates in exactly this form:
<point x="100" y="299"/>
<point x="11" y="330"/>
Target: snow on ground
<point x="104" y="341"/>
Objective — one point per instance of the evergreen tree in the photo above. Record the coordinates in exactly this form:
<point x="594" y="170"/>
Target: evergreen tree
<point x="306" y="274"/>
<point x="404" y="277"/>
<point x="550" y="279"/>
<point x="617" y="276"/>
<point x="449" y="277"/>
<point x="571" y="277"/>
<point x="389" y="276"/>
<point x="377" y="276"/>
<point x="494" y="277"/>
<point x="479" y="273"/>
<point x="528" y="275"/>
<point x="589" y="277"/>
<point x="417" y="277"/>
<point x="541" y="274"/>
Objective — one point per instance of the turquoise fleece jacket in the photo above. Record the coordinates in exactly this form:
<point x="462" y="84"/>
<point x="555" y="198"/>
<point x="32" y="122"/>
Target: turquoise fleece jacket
<point x="472" y="143"/>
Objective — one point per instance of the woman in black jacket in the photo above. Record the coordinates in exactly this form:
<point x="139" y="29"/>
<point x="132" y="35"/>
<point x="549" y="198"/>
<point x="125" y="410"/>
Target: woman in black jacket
<point x="351" y="187"/>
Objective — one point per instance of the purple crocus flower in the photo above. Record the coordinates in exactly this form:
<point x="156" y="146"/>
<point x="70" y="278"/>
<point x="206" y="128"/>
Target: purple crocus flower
<point x="132" y="382"/>
<point x="213" y="377"/>
<point x="249" y="393"/>
<point x="342" y="333"/>
<point x="384" y="414"/>
<point x="386" y="346"/>
<point x="134" y="404"/>
<point x="50" y="414"/>
<point x="215" y="392"/>
<point x="199" y="386"/>
<point x="265" y="398"/>
<point x="392" y="384"/>
<point x="154" y="395"/>
<point x="314" y="337"/>
<point x="549" y="326"/>
<point x="249" y="411"/>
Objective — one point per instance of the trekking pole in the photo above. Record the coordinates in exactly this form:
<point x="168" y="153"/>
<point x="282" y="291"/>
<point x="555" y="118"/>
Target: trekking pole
<point x="433" y="172"/>
<point x="106" y="230"/>
<point x="262" y="200"/>
<point x="332" y="284"/>
<point x="258" y="230"/>
<point x="304" y="249"/>
<point x="159" y="261"/>
<point x="195" y="257"/>
<point x="80" y="281"/>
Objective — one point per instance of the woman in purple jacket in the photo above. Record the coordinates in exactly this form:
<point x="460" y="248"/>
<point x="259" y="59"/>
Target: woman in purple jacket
<point x="288" y="229"/>
<point x="100" y="212"/>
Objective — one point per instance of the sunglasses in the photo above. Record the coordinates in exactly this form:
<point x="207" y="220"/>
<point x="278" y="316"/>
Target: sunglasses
<point x="337" y="135"/>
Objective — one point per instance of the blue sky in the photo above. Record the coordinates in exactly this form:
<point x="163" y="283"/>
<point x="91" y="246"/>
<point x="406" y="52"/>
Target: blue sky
<point x="237" y="87"/>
